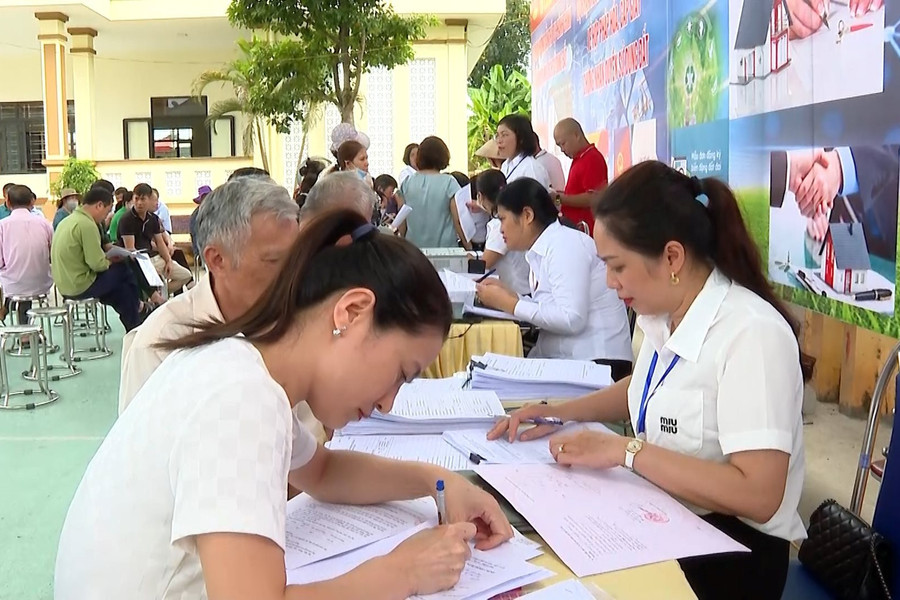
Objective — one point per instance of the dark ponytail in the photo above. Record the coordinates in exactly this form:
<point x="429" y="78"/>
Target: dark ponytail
<point x="408" y="292"/>
<point x="489" y="184"/>
<point x="652" y="204"/>
<point x="526" y="192"/>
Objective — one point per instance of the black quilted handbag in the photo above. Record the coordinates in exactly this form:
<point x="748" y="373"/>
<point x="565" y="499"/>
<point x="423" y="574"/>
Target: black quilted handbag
<point x="846" y="555"/>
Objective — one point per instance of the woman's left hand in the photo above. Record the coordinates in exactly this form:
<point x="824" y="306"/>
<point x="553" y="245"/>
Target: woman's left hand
<point x="589" y="449"/>
<point x="469" y="503"/>
<point x="494" y="294"/>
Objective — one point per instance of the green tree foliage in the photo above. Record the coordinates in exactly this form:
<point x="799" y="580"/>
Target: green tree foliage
<point x="510" y="45"/>
<point x="317" y="51"/>
<point x="497" y="97"/>
<point x="78" y="174"/>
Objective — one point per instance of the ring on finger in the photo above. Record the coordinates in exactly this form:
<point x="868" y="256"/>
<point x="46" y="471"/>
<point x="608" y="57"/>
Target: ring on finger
<point x="561" y="448"/>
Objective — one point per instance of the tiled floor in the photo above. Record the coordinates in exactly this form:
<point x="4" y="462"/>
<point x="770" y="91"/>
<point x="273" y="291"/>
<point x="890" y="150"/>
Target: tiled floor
<point x="44" y="452"/>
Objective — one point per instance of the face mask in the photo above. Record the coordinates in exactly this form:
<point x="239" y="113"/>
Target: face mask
<point x="71" y="205"/>
<point x="362" y="174"/>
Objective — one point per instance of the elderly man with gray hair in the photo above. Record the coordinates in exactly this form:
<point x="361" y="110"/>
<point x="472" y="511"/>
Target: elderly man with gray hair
<point x="339" y="190"/>
<point x="245" y="230"/>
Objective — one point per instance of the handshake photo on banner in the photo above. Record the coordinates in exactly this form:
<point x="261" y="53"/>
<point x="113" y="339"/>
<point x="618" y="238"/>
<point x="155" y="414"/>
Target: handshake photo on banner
<point x="834" y="221"/>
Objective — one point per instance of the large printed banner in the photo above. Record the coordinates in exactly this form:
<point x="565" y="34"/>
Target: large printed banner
<point x="798" y="111"/>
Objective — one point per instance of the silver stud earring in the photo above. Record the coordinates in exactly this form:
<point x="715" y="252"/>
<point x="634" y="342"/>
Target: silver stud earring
<point x="336" y="332"/>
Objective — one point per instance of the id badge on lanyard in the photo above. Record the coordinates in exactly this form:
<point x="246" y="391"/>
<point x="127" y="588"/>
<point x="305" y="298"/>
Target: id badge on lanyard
<point x="645" y="398"/>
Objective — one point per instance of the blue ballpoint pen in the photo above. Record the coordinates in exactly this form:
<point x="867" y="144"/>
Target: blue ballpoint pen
<point x="439" y="499"/>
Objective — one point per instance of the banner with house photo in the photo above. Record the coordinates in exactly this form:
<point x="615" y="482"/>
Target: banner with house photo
<point x="814" y="135"/>
<point x="798" y="115"/>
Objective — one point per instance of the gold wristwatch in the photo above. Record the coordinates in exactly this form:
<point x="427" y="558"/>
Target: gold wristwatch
<point x="631" y="450"/>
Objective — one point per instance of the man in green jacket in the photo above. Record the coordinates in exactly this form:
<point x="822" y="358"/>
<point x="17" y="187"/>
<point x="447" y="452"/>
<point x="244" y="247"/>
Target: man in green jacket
<point x="80" y="267"/>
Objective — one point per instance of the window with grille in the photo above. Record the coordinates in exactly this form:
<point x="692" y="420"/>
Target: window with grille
<point x="23" y="145"/>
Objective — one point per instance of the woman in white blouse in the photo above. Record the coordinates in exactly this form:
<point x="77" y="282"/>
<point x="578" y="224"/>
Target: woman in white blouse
<point x="579" y="316"/>
<point x="511" y="266"/>
<point x="186" y="496"/>
<point x="517" y="144"/>
<point x="717" y="389"/>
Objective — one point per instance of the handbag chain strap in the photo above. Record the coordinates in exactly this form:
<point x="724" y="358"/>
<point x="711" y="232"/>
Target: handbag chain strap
<point x="884" y="585"/>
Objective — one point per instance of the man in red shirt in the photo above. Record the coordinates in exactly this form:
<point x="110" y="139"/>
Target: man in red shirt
<point x="587" y="175"/>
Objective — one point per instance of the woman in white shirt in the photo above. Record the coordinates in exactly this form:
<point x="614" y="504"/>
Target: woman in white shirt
<point x="409" y="159"/>
<point x="186" y="496"/>
<point x="579" y="316"/>
<point x="517" y="144"/>
<point x="717" y="388"/>
<point x="511" y="266"/>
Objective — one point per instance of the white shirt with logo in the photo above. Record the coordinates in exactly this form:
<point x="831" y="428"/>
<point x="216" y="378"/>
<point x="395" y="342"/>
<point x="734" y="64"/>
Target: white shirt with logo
<point x="736" y="387"/>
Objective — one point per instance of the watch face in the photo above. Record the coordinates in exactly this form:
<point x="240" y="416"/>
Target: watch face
<point x="634" y="445"/>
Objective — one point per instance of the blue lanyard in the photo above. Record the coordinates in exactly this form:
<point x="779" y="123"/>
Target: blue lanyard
<point x="645" y="399"/>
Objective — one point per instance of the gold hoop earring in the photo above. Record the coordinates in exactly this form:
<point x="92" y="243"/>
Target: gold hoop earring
<point x="675" y="280"/>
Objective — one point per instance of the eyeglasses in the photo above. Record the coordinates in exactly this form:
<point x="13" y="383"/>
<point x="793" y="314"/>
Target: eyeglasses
<point x="502" y="135"/>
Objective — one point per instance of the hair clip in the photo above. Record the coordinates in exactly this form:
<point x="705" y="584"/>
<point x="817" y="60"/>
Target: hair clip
<point x="699" y="195"/>
<point x="362" y="231"/>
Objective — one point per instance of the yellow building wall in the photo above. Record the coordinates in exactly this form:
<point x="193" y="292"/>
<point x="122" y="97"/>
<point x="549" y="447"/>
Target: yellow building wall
<point x="124" y="89"/>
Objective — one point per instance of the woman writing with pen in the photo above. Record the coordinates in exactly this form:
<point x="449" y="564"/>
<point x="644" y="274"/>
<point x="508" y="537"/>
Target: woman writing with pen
<point x="579" y="316"/>
<point x="186" y="496"/>
<point x="510" y="265"/>
<point x="717" y="388"/>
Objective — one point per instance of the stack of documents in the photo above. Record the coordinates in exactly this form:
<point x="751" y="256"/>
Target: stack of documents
<point x="601" y="521"/>
<point x="460" y="288"/>
<point x="529" y="378"/>
<point x="325" y="541"/>
<point x="420" y="408"/>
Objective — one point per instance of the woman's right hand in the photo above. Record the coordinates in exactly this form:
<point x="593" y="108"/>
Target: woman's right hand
<point x="510" y="425"/>
<point x="433" y="559"/>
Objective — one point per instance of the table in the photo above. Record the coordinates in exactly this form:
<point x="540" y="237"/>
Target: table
<point x="466" y="339"/>
<point x="650" y="582"/>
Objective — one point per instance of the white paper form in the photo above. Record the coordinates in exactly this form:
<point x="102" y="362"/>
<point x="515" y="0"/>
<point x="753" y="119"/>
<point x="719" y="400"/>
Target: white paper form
<point x="501" y="451"/>
<point x="486" y="574"/>
<point x="119" y="252"/>
<point x="401" y="217"/>
<point x="147" y="268"/>
<point x="466" y="219"/>
<point x="485" y="571"/>
<point x="488" y="313"/>
<point x="571" y="589"/>
<point x="316" y="531"/>
<point x="427" y="387"/>
<point x="601" y="521"/>
<point x="431" y="449"/>
<point x="457" y="405"/>
<point x="546" y="370"/>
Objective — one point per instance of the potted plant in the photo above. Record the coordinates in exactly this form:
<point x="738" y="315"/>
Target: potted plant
<point x="78" y="174"/>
